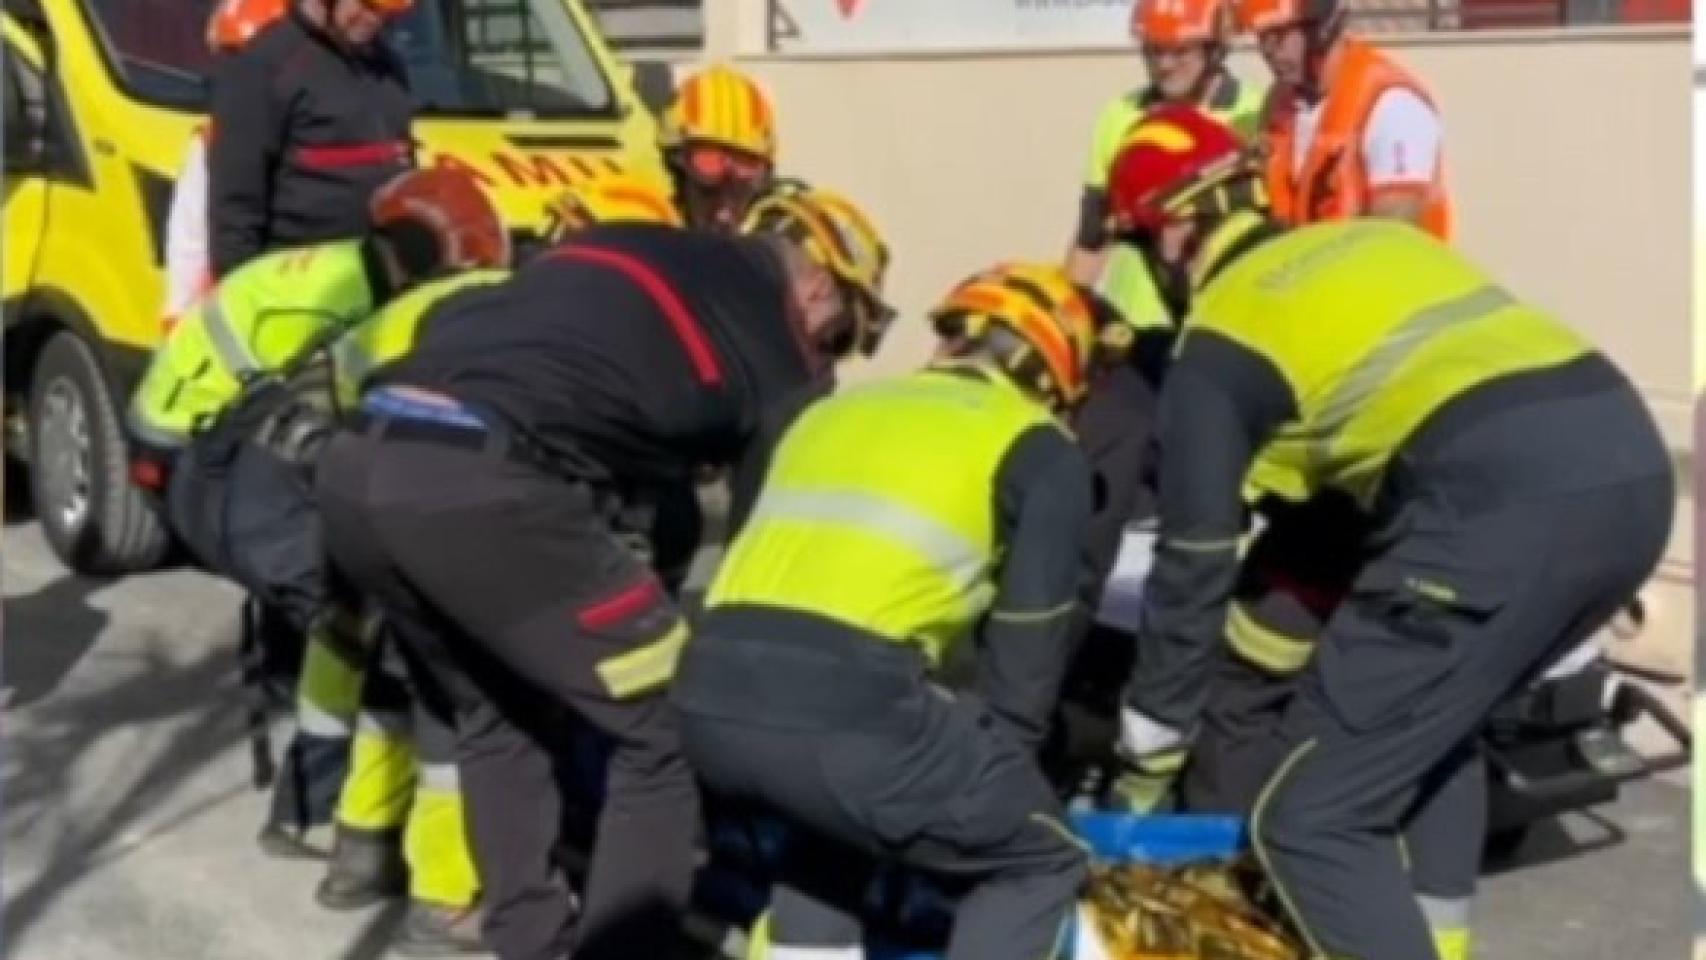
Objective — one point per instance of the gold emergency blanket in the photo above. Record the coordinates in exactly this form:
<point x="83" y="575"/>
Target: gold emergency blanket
<point x="1195" y="912"/>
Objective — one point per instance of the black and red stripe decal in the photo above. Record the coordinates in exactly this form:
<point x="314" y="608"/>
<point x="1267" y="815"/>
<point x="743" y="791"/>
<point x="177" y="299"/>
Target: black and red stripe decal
<point x="338" y="156"/>
<point x="615" y="609"/>
<point x="687" y="327"/>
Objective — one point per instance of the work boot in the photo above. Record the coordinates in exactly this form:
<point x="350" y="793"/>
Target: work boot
<point x="366" y="867"/>
<point x="284" y="842"/>
<point x="438" y="930"/>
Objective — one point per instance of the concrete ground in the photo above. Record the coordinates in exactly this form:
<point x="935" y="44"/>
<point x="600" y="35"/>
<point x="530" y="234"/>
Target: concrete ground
<point x="129" y="820"/>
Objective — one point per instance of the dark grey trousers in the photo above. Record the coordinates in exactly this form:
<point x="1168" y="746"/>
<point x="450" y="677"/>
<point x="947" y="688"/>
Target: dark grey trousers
<point x="515" y="603"/>
<point x="1450" y="619"/>
<point x="871" y="764"/>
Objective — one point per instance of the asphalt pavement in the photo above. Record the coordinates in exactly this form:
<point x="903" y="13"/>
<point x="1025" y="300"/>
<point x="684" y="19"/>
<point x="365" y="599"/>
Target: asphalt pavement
<point x="129" y="818"/>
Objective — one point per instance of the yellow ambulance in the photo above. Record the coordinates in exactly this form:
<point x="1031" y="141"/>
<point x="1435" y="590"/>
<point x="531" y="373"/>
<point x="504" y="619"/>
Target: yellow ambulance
<point x="101" y="98"/>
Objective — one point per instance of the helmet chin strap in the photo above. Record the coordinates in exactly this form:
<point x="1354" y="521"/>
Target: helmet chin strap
<point x="1211" y="73"/>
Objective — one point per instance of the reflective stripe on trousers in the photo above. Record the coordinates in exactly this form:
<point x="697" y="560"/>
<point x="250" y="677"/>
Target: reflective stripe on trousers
<point x="1264" y="646"/>
<point x="381" y="782"/>
<point x="1448" y="918"/>
<point x="435" y="842"/>
<point x="328" y="697"/>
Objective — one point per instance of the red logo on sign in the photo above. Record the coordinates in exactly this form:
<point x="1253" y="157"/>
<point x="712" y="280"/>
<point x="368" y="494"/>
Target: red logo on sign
<point x="848" y="7"/>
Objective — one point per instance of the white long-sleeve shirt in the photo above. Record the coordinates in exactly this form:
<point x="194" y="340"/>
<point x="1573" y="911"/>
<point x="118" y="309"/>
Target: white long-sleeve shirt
<point x="187" y="269"/>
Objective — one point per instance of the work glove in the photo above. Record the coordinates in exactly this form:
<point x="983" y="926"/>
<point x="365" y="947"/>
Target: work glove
<point x="1152" y="755"/>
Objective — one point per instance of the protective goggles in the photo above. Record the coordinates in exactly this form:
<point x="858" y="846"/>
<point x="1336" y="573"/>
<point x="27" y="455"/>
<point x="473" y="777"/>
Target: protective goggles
<point x="858" y="268"/>
<point x="714" y="165"/>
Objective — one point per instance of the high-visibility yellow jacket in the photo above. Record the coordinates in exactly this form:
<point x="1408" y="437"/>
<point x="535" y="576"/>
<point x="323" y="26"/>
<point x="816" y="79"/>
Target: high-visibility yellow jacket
<point x="1310" y="360"/>
<point x="390" y="331"/>
<point x="1371" y="326"/>
<point x="878" y="508"/>
<point x="257" y="320"/>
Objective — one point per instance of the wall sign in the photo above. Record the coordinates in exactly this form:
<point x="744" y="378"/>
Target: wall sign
<point x="821" y="26"/>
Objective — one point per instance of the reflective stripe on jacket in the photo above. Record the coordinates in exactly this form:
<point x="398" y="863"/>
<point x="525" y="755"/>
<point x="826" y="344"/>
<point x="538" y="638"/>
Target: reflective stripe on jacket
<point x="257" y="320"/>
<point x="879" y="509"/>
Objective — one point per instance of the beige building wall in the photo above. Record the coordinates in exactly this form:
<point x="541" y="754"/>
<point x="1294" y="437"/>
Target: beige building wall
<point x="1568" y="154"/>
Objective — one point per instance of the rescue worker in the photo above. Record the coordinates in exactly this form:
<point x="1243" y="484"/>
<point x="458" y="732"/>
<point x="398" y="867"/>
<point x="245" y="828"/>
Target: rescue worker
<point x="1516" y="493"/>
<point x="1347" y="132"/>
<point x="621" y="359"/>
<point x="400" y="815"/>
<point x="256" y="321"/>
<point x="308" y="120"/>
<point x="807" y="690"/>
<point x="718" y="139"/>
<point x="1185" y="44"/>
<point x="188" y="276"/>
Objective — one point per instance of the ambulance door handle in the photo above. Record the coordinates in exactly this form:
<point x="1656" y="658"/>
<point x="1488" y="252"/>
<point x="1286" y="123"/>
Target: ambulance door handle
<point x="104" y="147"/>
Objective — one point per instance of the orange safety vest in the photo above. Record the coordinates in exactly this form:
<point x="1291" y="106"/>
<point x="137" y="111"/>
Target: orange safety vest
<point x="1333" y="184"/>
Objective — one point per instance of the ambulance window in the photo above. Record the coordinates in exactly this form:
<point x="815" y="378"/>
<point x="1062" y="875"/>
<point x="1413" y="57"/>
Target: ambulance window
<point x="25" y="127"/>
<point x="470" y="57"/>
<point x="13" y="122"/>
<point x="156" y="48"/>
<point x="500" y="57"/>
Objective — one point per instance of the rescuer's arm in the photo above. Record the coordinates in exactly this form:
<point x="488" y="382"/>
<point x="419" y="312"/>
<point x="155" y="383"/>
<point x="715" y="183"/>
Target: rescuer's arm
<point x="1088" y="254"/>
<point x="1401" y="154"/>
<point x="245" y="147"/>
<point x="1220" y="404"/>
<point x="1042" y="506"/>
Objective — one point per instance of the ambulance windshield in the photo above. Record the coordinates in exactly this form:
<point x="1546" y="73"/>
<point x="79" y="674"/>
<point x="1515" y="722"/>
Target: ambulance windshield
<point x="517" y="59"/>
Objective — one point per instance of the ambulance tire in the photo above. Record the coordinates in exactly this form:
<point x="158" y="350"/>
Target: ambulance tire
<point x="95" y="519"/>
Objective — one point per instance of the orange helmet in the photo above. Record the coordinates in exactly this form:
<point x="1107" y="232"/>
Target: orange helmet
<point x="1178" y="162"/>
<point x="1038" y="304"/>
<point x="448" y="206"/>
<point x="1178" y="22"/>
<point x="1258" y="15"/>
<point x="389" y="8"/>
<point x="235" y="22"/>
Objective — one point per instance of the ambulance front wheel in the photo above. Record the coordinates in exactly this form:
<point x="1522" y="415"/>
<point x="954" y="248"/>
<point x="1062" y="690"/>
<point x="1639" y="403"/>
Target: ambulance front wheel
<point x="95" y="519"/>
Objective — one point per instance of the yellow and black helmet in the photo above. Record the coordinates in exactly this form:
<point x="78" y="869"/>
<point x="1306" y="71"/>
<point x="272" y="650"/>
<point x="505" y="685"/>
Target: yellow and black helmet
<point x="838" y="235"/>
<point x="721" y="106"/>
<point x="1055" y="329"/>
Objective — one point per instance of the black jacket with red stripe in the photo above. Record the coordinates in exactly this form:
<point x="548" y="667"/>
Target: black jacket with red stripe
<point x="631" y="354"/>
<point x="303" y="132"/>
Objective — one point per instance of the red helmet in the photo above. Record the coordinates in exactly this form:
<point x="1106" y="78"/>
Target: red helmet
<point x="452" y="208"/>
<point x="1172" y="156"/>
